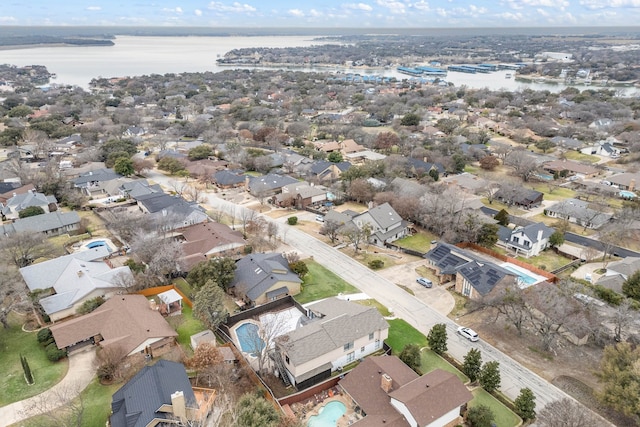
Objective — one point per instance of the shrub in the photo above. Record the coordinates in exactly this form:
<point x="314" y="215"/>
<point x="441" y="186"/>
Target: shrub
<point x="54" y="353"/>
<point x="45" y="337"/>
<point x="480" y="416"/>
<point x="292" y="220"/>
<point x="89" y="305"/>
<point x="376" y="264"/>
<point x="410" y="355"/>
<point x="300" y="268"/>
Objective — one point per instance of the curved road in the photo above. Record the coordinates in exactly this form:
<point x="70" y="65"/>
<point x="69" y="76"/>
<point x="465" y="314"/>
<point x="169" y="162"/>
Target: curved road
<point x="405" y="306"/>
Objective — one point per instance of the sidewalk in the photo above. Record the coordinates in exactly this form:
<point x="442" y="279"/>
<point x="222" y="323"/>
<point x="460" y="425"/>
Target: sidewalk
<point x="81" y="372"/>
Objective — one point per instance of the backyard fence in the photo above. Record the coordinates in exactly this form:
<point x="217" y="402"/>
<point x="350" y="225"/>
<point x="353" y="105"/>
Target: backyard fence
<point x="149" y="292"/>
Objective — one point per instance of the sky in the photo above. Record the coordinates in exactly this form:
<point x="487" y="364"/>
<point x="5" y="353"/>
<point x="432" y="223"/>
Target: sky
<point x="324" y="13"/>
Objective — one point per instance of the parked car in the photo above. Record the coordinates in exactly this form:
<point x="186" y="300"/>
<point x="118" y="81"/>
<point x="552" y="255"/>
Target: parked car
<point x="468" y="333"/>
<point x="424" y="282"/>
<point x="320" y="218"/>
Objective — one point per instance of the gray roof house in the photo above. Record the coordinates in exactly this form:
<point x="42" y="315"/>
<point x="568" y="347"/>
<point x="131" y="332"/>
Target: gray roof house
<point x="618" y="272"/>
<point x="52" y="224"/>
<point x="229" y="178"/>
<point x="93" y="181"/>
<point x="11" y="209"/>
<point x="268" y="185"/>
<point x="333" y="334"/>
<point x="172" y="211"/>
<point x="157" y="394"/>
<point x="578" y="212"/>
<point x="528" y="241"/>
<point x="74" y="278"/>
<point x="386" y="224"/>
<point x="473" y="276"/>
<point x="260" y="278"/>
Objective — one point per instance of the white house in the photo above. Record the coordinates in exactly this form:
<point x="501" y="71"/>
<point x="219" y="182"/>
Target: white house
<point x="335" y="333"/>
<point x="528" y="241"/>
<point x="13" y="206"/>
<point x="386" y="224"/>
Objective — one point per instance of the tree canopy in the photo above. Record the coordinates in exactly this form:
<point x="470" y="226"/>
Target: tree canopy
<point x="437" y="338"/>
<point x="218" y="270"/>
<point x="30" y="211"/>
<point x="620" y="379"/>
<point x="208" y="305"/>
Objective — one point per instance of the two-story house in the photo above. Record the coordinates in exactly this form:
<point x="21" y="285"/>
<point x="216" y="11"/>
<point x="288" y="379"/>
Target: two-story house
<point x="386" y="225"/>
<point x="334" y="333"/>
<point x="528" y="241"/>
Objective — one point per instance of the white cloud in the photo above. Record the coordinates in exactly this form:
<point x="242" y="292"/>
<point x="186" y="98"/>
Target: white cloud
<point x="235" y="7"/>
<point x="177" y="10"/>
<point x="509" y="16"/>
<point x="94" y="8"/>
<point x="296" y="12"/>
<point x="8" y="19"/>
<point x="358" y="6"/>
<point x="601" y="4"/>
<point x="197" y="12"/>
<point x="396" y="7"/>
<point x="543" y="12"/>
<point x="422" y="5"/>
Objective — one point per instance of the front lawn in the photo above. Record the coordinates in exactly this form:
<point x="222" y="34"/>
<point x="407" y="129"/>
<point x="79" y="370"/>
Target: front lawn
<point x="420" y="242"/>
<point x="13" y="343"/>
<point x="320" y="283"/>
<point x="401" y="333"/>
<point x="547" y="260"/>
<point x="365" y="258"/>
<point x="384" y="311"/>
<point x="555" y="194"/>
<point x="581" y="157"/>
<point x="429" y="361"/>
<point x="503" y="416"/>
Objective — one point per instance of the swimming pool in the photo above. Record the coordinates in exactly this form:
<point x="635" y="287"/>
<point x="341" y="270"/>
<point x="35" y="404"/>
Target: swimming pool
<point x="525" y="277"/>
<point x="328" y="415"/>
<point x="96" y="243"/>
<point x="248" y="338"/>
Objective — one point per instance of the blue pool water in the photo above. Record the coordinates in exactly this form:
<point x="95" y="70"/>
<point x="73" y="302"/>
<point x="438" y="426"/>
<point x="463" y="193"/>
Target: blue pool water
<point x="328" y="415"/>
<point x="523" y="276"/>
<point x="545" y="176"/>
<point x="96" y="244"/>
<point x="247" y="335"/>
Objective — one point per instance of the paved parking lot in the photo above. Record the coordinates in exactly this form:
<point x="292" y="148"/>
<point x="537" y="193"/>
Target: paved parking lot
<point x="436" y="297"/>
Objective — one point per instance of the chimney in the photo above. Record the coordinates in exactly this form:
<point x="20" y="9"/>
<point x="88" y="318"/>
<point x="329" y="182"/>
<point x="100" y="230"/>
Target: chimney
<point x="179" y="406"/>
<point x="80" y="273"/>
<point x="386" y="383"/>
<point x="632" y="184"/>
<point x="539" y="235"/>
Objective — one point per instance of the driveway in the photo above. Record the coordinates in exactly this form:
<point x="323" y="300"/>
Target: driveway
<point x="81" y="372"/>
<point x="436" y="297"/>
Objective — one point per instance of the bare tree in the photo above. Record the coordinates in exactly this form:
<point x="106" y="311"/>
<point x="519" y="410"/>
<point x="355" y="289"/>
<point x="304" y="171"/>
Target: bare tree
<point x="567" y="413"/>
<point x="231" y="211"/>
<point x="247" y="216"/>
<point x="357" y="235"/>
<point x="331" y="230"/>
<point x="524" y="165"/>
<point x="622" y="318"/>
<point x="262" y="340"/>
<point x="509" y="302"/>
<point x="12" y="293"/>
<point x="61" y="406"/>
<point x="23" y="248"/>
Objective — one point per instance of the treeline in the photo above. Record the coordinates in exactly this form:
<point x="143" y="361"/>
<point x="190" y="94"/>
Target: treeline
<point x="35" y="40"/>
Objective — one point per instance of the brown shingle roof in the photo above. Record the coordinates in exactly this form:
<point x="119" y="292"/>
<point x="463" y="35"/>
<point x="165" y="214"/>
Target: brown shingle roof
<point x="125" y="320"/>
<point x="204" y="237"/>
<point x="560" y="165"/>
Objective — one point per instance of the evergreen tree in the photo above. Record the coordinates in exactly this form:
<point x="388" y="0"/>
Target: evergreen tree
<point x="472" y="364"/>
<point x="437" y="338"/>
<point x="480" y="416"/>
<point x="27" y="370"/>
<point x="490" y="376"/>
<point x="502" y="217"/>
<point x="410" y="355"/>
<point x="525" y="404"/>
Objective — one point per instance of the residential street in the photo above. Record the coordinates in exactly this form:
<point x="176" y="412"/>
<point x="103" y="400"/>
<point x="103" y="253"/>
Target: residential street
<point x="405" y="306"/>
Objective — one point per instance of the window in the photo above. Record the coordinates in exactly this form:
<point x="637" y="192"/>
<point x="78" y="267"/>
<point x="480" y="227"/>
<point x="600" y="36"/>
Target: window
<point x="348" y="346"/>
<point x="466" y="288"/>
<point x="377" y="344"/>
<point x="286" y="358"/>
<point x="370" y="336"/>
<point x="361" y="349"/>
<point x="351" y="357"/>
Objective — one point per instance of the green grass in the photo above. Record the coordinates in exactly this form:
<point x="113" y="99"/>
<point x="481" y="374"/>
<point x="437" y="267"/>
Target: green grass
<point x="549" y="259"/>
<point x="184" y="287"/>
<point x="503" y="416"/>
<point x="13" y="343"/>
<point x="384" y="311"/>
<point x="429" y="361"/>
<point x="365" y="258"/>
<point x="558" y="193"/>
<point x="401" y="333"/>
<point x="420" y="242"/>
<point x="321" y="283"/>
<point x="581" y="157"/>
<point x="187" y="327"/>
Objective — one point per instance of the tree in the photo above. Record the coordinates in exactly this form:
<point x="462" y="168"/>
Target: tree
<point x="490" y="376"/>
<point x="567" y="413"/>
<point x="28" y="376"/>
<point x="631" y="286"/>
<point x="437" y="338"/>
<point x="204" y="356"/>
<point x="357" y="235"/>
<point x="545" y="144"/>
<point x="299" y="267"/>
<point x="208" y="305"/>
<point x="171" y="165"/>
<point x="410" y="355"/>
<point x="620" y="379"/>
<point x="62" y="406"/>
<point x="252" y="410"/>
<point x="23" y="248"/>
<point x="124" y="166"/>
<point x="202" y="151"/>
<point x="31" y="211"/>
<point x="218" y="270"/>
<point x="502" y="217"/>
<point x="385" y="141"/>
<point x="509" y="302"/>
<point x="292" y="220"/>
<point x="488" y="235"/>
<point x="335" y="157"/>
<point x="524" y="165"/>
<point x="141" y="165"/>
<point x="361" y="190"/>
<point x="525" y="404"/>
<point x="410" y="119"/>
<point x="472" y="364"/>
<point x="108" y="361"/>
<point x="330" y="229"/>
<point x="556" y="239"/>
<point x="480" y="416"/>
<point x="434" y="174"/>
<point x="622" y="318"/>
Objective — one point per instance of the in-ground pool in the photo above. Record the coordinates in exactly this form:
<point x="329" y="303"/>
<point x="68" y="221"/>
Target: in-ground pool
<point x="248" y="338"/>
<point x="96" y="243"/>
<point x="525" y="277"/>
<point x="328" y="415"/>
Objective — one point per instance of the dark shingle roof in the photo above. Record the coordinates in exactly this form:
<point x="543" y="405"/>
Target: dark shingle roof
<point x="137" y="402"/>
<point x="256" y="273"/>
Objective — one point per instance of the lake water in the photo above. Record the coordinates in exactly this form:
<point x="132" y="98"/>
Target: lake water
<point x="135" y="56"/>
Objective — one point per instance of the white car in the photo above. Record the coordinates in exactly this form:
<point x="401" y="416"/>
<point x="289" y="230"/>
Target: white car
<point x="468" y="333"/>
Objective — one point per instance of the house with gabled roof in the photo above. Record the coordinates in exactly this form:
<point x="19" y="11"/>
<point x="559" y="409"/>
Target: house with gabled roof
<point x="472" y="276"/>
<point x="578" y="212"/>
<point x="128" y="324"/>
<point x="50" y="224"/>
<point x="12" y="207"/>
<point x="93" y="182"/>
<point x="385" y="391"/>
<point x="300" y="194"/>
<point x="229" y="179"/>
<point x="618" y="272"/>
<point x="158" y="394"/>
<point x="260" y="278"/>
<point x="202" y="241"/>
<point x="325" y="171"/>
<point x="171" y="211"/>
<point x="625" y="181"/>
<point x="529" y="240"/>
<point x="268" y="185"/>
<point x="333" y="333"/>
<point x="580" y="170"/>
<point x="74" y="279"/>
<point x="386" y="225"/>
<point x="523" y="197"/>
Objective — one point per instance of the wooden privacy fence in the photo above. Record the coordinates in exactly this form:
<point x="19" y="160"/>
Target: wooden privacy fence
<point x="149" y="292"/>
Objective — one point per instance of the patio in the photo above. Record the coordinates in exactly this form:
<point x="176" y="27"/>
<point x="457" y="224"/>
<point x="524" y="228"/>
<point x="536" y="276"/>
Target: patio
<point x="310" y="407"/>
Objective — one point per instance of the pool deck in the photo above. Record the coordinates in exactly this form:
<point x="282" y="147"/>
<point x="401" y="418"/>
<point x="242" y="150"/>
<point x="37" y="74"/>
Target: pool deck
<point x="311" y="407"/>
